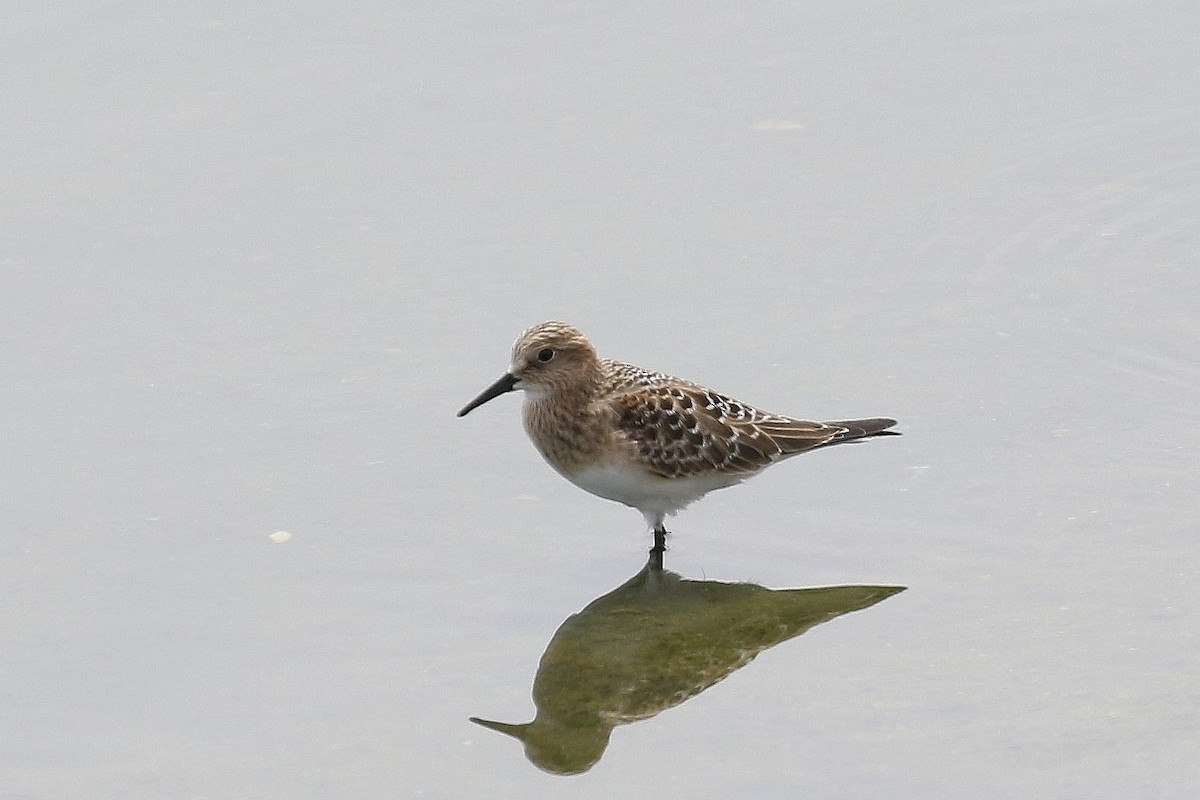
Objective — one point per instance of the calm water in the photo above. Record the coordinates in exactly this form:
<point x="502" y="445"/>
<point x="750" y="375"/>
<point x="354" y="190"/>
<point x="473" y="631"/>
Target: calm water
<point x="255" y="260"/>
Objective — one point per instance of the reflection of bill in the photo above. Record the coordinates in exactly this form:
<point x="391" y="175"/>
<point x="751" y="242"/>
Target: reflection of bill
<point x="651" y="644"/>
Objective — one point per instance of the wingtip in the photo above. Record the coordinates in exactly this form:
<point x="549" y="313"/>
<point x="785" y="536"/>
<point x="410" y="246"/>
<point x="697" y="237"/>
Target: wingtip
<point x="875" y="426"/>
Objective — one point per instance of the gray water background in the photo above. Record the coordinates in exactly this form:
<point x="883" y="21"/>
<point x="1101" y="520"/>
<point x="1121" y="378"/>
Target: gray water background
<point x="255" y="258"/>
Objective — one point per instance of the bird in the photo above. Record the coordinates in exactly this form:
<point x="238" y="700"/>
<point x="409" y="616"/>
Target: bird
<point x="649" y="440"/>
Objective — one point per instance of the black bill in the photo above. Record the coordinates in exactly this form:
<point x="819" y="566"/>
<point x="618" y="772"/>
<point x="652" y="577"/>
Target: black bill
<point x="502" y="386"/>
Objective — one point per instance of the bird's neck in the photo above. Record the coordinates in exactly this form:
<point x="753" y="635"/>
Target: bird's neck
<point x="562" y="423"/>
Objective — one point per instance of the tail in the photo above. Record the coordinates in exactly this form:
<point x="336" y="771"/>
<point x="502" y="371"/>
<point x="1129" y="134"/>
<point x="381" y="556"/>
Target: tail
<point x="861" y="429"/>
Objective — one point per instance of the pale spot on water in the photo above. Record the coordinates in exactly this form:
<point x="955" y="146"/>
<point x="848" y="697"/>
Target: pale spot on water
<point x="279" y="537"/>
<point x="779" y="125"/>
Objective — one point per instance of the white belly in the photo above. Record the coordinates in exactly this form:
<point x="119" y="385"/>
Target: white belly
<point x="651" y="495"/>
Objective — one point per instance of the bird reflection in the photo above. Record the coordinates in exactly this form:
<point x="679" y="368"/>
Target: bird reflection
<point x="652" y="643"/>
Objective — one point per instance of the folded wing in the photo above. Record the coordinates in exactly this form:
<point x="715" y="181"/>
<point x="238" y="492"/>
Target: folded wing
<point x="681" y="429"/>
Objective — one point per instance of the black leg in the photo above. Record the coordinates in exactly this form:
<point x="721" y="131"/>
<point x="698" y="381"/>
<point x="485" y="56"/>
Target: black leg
<point x="660" y="547"/>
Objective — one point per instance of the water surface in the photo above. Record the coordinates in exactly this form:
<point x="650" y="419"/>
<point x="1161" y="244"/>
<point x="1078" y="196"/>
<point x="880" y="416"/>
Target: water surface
<point x="256" y="258"/>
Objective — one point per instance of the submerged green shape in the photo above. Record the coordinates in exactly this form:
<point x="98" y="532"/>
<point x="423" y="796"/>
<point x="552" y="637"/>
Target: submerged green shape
<point x="651" y="644"/>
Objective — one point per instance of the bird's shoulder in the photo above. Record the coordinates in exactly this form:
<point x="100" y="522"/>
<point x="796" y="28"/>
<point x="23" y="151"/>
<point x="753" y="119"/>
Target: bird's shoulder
<point x="619" y="378"/>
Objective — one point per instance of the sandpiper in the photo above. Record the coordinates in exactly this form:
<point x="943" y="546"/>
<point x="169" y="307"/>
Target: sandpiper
<point x="646" y="439"/>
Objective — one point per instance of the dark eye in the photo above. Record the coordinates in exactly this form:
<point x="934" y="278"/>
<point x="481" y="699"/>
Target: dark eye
<point x="545" y="354"/>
